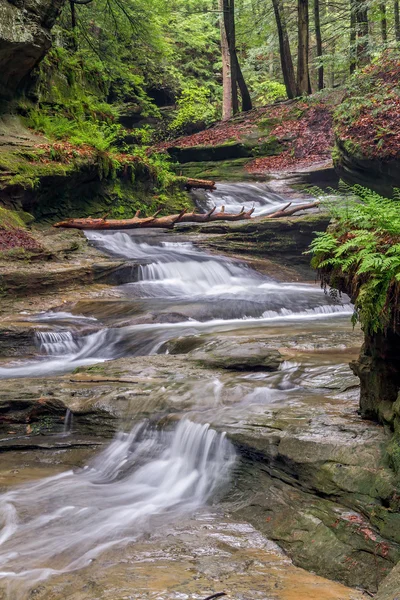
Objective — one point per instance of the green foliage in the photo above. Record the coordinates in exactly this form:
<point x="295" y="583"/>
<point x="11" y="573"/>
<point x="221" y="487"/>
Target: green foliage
<point x="194" y="106"/>
<point x="362" y="251"/>
<point x="267" y="91"/>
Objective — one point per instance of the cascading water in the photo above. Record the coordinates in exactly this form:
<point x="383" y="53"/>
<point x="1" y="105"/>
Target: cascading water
<point x="213" y="294"/>
<point x="235" y="195"/>
<point x="183" y="272"/>
<point x="143" y="478"/>
<point x="64" y="352"/>
<point x="57" y="342"/>
<point x="151" y="476"/>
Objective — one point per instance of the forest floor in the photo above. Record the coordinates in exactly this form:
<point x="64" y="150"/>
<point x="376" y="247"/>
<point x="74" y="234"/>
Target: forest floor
<point x="303" y="128"/>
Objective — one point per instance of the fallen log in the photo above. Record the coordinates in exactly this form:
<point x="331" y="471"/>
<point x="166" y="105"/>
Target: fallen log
<point x="194" y="217"/>
<point x="166" y="222"/>
<point x="103" y="223"/>
<point x="283" y="212"/>
<point x="203" y="184"/>
<point x="223" y="216"/>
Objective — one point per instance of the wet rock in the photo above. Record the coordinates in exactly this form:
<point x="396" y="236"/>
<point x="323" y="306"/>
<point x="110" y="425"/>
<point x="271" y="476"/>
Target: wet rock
<point x="284" y="240"/>
<point x="226" y="151"/>
<point x="378" y="368"/>
<point x="35" y="278"/>
<point x="237" y="354"/>
<point x="383" y="176"/>
<point x="192" y="558"/>
<point x="17" y="340"/>
<point x="390" y="587"/>
<point x="321" y="487"/>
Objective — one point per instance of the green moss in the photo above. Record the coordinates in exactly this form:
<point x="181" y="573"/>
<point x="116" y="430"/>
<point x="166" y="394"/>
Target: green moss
<point x="223" y="170"/>
<point x="10" y="219"/>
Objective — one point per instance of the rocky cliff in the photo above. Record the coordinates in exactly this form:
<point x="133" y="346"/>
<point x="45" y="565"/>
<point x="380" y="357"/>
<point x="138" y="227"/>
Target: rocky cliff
<point x="25" y="37"/>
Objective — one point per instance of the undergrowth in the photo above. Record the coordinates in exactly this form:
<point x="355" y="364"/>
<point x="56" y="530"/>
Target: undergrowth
<point x="360" y="254"/>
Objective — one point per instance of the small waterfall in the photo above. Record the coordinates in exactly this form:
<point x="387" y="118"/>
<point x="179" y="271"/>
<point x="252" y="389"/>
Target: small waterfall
<point x="64" y="353"/>
<point x="235" y="195"/>
<point x="145" y="477"/>
<point x="68" y="422"/>
<point x="55" y="343"/>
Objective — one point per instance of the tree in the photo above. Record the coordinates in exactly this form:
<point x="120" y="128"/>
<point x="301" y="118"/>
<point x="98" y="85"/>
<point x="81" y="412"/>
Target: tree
<point x="396" y="20"/>
<point x="227" y="109"/>
<point x="362" y="46"/>
<point x="303" y="75"/>
<point x="318" y="39"/>
<point x="284" y="50"/>
<point x="353" y="37"/>
<point x="383" y="17"/>
<point x="232" y="75"/>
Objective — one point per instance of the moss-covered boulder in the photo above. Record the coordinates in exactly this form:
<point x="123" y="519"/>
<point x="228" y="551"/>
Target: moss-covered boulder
<point x="226" y="151"/>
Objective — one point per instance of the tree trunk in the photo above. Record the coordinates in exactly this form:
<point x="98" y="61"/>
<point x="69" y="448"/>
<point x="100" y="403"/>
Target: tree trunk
<point x="353" y="37"/>
<point x="363" y="57"/>
<point x="226" y="68"/>
<point x="284" y="50"/>
<point x="244" y="91"/>
<point x="318" y="39"/>
<point x="396" y="20"/>
<point x="382" y="10"/>
<point x="303" y="80"/>
<point x="237" y="78"/>
<point x="229" y="20"/>
<point x="74" y="40"/>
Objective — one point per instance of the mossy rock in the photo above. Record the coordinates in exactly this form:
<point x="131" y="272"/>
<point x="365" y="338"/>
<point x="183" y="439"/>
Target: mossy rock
<point x="229" y="150"/>
<point x="223" y="170"/>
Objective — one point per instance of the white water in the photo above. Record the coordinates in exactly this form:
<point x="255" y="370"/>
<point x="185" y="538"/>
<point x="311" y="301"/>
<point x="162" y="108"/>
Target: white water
<point x="59" y="316"/>
<point x="235" y="195"/>
<point x="62" y="523"/>
<point x="182" y="271"/>
<point x="63" y="353"/>
<point x="226" y="294"/>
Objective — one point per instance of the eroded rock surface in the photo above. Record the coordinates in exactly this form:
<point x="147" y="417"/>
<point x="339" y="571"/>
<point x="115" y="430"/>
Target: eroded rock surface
<point x="25" y="37"/>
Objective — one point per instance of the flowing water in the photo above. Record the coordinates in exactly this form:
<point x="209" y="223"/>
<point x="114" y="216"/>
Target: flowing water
<point x="234" y="196"/>
<point x="155" y="476"/>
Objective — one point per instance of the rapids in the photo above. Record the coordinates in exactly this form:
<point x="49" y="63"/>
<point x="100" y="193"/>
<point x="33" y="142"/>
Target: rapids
<point x="211" y="294"/>
<point x="154" y="474"/>
<point x="235" y="195"/>
<point x="64" y="522"/>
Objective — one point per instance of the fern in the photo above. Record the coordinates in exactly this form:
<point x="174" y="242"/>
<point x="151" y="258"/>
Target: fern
<point x="361" y="253"/>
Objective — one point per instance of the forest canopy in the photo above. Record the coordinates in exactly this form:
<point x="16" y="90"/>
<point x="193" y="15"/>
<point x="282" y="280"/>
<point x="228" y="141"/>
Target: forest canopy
<point x="205" y="59"/>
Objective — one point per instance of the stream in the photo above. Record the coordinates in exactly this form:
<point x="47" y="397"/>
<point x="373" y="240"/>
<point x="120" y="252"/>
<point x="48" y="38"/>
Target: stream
<point x="152" y="509"/>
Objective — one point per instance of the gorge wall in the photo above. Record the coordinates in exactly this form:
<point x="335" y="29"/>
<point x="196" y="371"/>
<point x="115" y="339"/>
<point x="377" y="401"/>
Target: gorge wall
<point x="25" y="37"/>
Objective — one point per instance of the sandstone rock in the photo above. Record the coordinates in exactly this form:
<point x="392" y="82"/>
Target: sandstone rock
<point x="25" y="37"/>
<point x="238" y="354"/>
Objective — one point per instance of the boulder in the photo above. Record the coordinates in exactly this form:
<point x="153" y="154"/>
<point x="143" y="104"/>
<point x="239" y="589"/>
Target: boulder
<point x="25" y="37"/>
<point x="238" y="354"/>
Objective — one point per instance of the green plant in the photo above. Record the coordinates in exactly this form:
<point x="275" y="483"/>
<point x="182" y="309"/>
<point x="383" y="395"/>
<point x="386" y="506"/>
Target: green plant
<point x="360" y="252"/>
<point x="194" y="106"/>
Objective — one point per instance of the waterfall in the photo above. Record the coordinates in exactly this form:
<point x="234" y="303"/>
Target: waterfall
<point x="64" y="352"/>
<point x="56" y="343"/>
<point x="68" y="422"/>
<point x="143" y="478"/>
